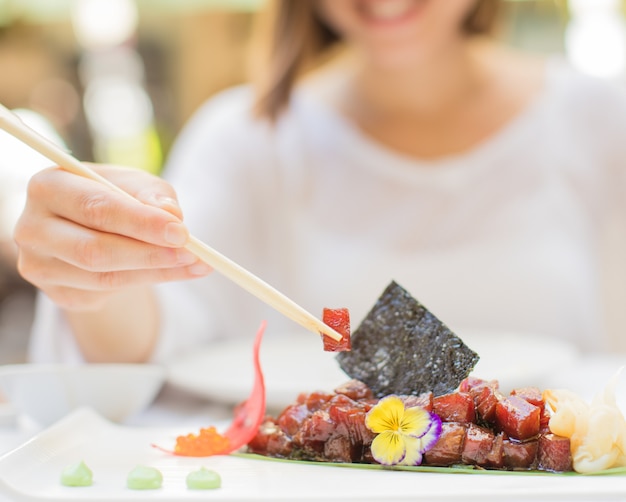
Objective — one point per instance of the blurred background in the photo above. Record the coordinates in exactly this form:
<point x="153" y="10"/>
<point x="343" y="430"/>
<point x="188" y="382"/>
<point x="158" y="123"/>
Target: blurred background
<point x="116" y="79"/>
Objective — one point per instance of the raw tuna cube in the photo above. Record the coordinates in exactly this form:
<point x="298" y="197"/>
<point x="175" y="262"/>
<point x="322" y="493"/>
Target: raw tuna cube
<point x="271" y="440"/>
<point x="455" y="407"/>
<point x="339" y="449"/>
<point x="495" y="458"/>
<point x="478" y="445"/>
<point x="449" y="447"/>
<point x="318" y="427"/>
<point x="554" y="453"/>
<point x="534" y="396"/>
<point x="424" y="400"/>
<point x="316" y="400"/>
<point x="279" y="445"/>
<point x="519" y="456"/>
<point x="485" y="400"/>
<point x="355" y="389"/>
<point x="474" y="383"/>
<point x="292" y="417"/>
<point x="517" y="418"/>
<point x="339" y="320"/>
<point x="351" y="423"/>
<point x="530" y="394"/>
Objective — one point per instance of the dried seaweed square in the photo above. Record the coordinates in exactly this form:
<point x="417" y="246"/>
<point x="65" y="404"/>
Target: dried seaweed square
<point x="400" y="347"/>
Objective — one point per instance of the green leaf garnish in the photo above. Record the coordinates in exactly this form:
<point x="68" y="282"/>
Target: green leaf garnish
<point x="461" y="469"/>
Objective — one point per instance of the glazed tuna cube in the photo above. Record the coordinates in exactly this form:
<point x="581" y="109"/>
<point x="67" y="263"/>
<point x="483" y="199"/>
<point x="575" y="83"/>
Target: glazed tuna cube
<point x="495" y="458"/>
<point x="258" y="444"/>
<point x="517" y="417"/>
<point x="339" y="449"/>
<point x="473" y="383"/>
<point x="339" y="320"/>
<point x="530" y="394"/>
<point x="316" y="400"/>
<point x="279" y="445"/>
<point x="554" y="453"/>
<point x="544" y="421"/>
<point x="318" y="427"/>
<point x="271" y="440"/>
<point x="534" y="396"/>
<point x="355" y="389"/>
<point x="351" y="423"/>
<point x="342" y="400"/>
<point x="518" y="456"/>
<point x="455" y="407"/>
<point x="485" y="400"/>
<point x="292" y="417"/>
<point x="312" y="450"/>
<point x="478" y="445"/>
<point x="424" y="400"/>
<point x="449" y="447"/>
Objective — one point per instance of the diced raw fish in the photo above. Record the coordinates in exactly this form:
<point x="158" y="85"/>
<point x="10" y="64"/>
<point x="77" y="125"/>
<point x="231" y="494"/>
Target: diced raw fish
<point x="518" y="418"/>
<point x="554" y="453"/>
<point x="455" y="407"/>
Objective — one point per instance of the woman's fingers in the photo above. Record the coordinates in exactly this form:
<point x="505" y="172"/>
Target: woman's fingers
<point x="149" y="189"/>
<point x="52" y="271"/>
<point x="95" y="206"/>
<point x="80" y="290"/>
<point x="80" y="241"/>
<point x="79" y="258"/>
<point x="96" y="251"/>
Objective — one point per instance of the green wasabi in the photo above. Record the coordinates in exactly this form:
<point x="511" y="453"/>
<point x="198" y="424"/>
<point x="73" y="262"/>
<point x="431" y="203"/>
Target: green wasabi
<point x="144" y="478"/>
<point x="77" y="475"/>
<point x="203" y="479"/>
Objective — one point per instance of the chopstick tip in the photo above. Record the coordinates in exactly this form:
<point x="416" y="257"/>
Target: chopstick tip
<point x="330" y="332"/>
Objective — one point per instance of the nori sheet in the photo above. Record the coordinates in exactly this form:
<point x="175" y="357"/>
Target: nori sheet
<point x="402" y="348"/>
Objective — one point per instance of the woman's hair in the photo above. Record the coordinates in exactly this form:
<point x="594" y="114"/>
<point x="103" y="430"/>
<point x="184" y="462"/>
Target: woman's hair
<point x="291" y="38"/>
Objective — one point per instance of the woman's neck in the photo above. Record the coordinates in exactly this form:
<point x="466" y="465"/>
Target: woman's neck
<point x="429" y="87"/>
<point x="442" y="106"/>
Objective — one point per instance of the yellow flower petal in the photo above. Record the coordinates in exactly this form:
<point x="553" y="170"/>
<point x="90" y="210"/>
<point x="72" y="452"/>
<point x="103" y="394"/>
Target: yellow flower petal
<point x="386" y="415"/>
<point x="388" y="448"/>
<point x="415" y="421"/>
<point x="413" y="454"/>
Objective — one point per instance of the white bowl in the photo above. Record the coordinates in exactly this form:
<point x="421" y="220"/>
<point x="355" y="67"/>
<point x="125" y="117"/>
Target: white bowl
<point x="48" y="392"/>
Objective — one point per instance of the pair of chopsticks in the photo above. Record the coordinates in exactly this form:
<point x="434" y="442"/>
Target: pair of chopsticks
<point x="12" y="124"/>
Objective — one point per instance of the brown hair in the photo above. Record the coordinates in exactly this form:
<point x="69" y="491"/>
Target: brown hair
<point x="290" y="38"/>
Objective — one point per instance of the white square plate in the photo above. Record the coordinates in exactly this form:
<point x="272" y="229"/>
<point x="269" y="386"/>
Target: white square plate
<point x="31" y="473"/>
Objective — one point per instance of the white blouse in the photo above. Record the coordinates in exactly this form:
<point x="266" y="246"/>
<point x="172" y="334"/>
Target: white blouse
<point x="503" y="237"/>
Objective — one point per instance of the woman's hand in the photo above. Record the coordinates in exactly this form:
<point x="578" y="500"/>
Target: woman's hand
<point x="95" y="253"/>
<point x="81" y="242"/>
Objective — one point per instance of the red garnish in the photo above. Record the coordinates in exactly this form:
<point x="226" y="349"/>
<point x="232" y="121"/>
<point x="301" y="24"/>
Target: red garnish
<point x="339" y="320"/>
<point x="247" y="419"/>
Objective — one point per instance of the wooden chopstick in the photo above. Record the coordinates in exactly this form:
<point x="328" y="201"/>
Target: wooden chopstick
<point x="12" y="124"/>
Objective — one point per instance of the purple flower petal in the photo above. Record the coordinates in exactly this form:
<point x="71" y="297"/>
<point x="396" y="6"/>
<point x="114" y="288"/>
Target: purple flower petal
<point x="432" y="434"/>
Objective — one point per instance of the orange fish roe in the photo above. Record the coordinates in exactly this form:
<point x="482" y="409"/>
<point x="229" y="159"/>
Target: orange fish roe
<point x="246" y="422"/>
<point x="208" y="442"/>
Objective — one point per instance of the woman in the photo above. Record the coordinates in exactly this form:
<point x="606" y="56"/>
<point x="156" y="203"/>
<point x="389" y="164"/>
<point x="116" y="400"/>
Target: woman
<point x="471" y="175"/>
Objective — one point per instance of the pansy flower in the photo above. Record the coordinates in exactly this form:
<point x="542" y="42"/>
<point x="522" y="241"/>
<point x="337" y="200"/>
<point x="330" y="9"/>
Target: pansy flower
<point x="403" y="434"/>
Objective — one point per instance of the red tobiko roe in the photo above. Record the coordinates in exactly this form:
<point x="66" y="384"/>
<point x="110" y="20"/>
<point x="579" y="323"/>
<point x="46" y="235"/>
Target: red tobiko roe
<point x="339" y="320"/>
<point x="247" y="419"/>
